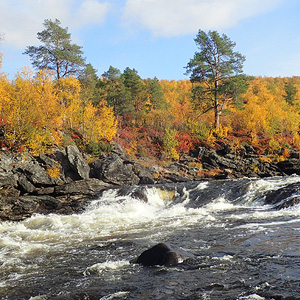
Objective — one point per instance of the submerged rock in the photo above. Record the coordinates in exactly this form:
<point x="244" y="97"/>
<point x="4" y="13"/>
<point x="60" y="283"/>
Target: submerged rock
<point x="159" y="255"/>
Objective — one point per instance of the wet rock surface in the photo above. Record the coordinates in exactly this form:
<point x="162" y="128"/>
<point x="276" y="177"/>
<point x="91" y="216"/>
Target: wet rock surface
<point x="64" y="182"/>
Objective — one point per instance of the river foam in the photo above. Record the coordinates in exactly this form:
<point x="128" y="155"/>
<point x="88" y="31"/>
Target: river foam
<point x="189" y="214"/>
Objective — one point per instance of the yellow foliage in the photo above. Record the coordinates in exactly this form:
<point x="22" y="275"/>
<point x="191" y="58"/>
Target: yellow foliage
<point x="106" y="124"/>
<point x="265" y="159"/>
<point x="178" y="95"/>
<point x="53" y="171"/>
<point x="35" y="109"/>
<point x="221" y="131"/>
<point x="99" y="123"/>
<point x="38" y="141"/>
<point x="296" y="141"/>
<point x="170" y="142"/>
<point x="274" y="145"/>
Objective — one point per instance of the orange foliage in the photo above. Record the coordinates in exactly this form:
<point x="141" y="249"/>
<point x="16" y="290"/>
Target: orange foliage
<point x="35" y="111"/>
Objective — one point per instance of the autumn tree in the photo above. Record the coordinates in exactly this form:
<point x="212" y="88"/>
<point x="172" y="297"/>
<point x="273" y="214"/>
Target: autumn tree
<point x="215" y="66"/>
<point x="57" y="52"/>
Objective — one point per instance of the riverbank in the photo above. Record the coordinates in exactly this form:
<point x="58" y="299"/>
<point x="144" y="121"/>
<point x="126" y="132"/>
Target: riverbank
<point x="67" y="180"/>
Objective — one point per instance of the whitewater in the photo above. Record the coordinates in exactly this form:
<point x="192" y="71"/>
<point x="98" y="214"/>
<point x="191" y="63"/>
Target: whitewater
<point x="242" y="246"/>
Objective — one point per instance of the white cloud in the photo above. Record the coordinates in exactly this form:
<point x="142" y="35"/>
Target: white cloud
<point x="178" y="17"/>
<point x="92" y="12"/>
<point x="21" y="20"/>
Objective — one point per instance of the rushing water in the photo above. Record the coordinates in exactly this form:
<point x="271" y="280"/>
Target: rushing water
<point x="242" y="247"/>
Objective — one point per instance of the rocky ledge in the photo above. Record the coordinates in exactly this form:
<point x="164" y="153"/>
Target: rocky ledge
<point x="64" y="182"/>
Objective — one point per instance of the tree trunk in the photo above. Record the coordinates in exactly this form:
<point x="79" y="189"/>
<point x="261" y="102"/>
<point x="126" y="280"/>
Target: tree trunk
<point x="216" y="106"/>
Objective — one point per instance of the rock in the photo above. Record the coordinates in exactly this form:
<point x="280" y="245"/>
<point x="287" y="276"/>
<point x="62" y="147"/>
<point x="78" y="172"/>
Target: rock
<point x="290" y="166"/>
<point x="24" y="184"/>
<point x="30" y="173"/>
<point x="16" y="209"/>
<point x="52" y="166"/>
<point x="174" y="177"/>
<point x="214" y="161"/>
<point x="224" y="149"/>
<point x="249" y="149"/>
<point x="6" y="164"/>
<point x="43" y="204"/>
<point x="199" y="152"/>
<point x="119" y="151"/>
<point x="288" y="203"/>
<point x="146" y="177"/>
<point x="114" y="170"/>
<point x="159" y="255"/>
<point x="9" y="180"/>
<point x="77" y="163"/>
<point x="281" y="198"/>
<point x="90" y="187"/>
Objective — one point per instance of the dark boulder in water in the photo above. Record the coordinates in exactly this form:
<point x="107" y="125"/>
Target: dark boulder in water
<point x="284" y="197"/>
<point x="159" y="255"/>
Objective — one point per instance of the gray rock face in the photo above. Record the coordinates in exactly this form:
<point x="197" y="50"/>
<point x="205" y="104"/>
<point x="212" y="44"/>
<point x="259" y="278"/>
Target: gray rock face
<point x="114" y="170"/>
<point x="63" y="182"/>
<point x="90" y="187"/>
<point x="77" y="163"/>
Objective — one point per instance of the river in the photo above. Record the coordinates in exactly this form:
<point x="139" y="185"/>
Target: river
<point x="240" y="246"/>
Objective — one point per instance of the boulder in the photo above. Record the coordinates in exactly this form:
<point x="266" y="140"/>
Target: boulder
<point x="290" y="166"/>
<point x="27" y="165"/>
<point x="77" y="163"/>
<point x="49" y="163"/>
<point x="114" y="170"/>
<point x="281" y="198"/>
<point x="24" y="185"/>
<point x="9" y="180"/>
<point x="119" y="151"/>
<point x="6" y="163"/>
<point x="16" y="209"/>
<point x="89" y="187"/>
<point x="159" y="255"/>
<point x="146" y="177"/>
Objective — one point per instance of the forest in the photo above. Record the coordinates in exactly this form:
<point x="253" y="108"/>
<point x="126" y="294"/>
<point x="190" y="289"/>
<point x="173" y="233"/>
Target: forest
<point x="160" y="119"/>
<point x="148" y="117"/>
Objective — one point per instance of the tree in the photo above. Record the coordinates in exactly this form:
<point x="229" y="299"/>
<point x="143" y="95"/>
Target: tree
<point x="214" y="66"/>
<point x="57" y="52"/>
<point x="114" y="91"/>
<point x="89" y="80"/>
<point x="136" y="89"/>
<point x="290" y="91"/>
<point x="155" y="94"/>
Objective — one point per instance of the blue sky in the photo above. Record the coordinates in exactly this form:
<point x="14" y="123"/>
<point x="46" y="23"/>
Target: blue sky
<point x="156" y="37"/>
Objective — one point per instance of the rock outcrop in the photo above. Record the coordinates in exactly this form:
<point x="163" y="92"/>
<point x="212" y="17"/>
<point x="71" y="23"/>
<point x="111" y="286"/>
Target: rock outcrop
<point x="64" y="182"/>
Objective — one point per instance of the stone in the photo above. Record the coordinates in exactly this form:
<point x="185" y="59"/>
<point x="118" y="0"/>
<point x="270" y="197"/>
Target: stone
<point x="290" y="166"/>
<point x="114" y="170"/>
<point x="34" y="172"/>
<point x="9" y="180"/>
<point x="159" y="255"/>
<point x="77" y="163"/>
<point x="24" y="184"/>
<point x="281" y="197"/>
<point x="119" y="151"/>
<point x="146" y="177"/>
<point x="91" y="187"/>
